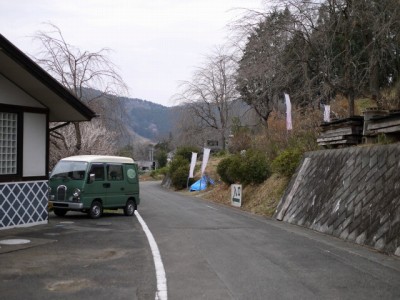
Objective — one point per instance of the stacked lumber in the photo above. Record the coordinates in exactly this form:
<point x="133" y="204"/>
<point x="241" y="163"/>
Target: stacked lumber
<point x="341" y="132"/>
<point x="388" y="124"/>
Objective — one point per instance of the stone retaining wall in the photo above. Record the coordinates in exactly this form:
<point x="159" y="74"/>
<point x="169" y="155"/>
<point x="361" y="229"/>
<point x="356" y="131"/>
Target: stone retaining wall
<point x="351" y="193"/>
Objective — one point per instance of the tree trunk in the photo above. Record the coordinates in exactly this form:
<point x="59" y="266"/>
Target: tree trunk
<point x="78" y="136"/>
<point x="351" y="104"/>
<point x="374" y="84"/>
<point x="223" y="140"/>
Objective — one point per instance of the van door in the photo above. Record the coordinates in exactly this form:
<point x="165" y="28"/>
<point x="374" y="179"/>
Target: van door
<point x="117" y="186"/>
<point x="133" y="180"/>
<point x="98" y="188"/>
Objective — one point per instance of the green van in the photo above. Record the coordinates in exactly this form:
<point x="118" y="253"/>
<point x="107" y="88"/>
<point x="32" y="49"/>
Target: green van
<point x="90" y="183"/>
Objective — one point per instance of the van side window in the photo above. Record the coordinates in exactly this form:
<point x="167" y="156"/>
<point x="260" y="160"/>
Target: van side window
<point x="98" y="171"/>
<point x="115" y="172"/>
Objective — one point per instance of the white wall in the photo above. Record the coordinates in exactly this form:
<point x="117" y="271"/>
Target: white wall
<point x="13" y="95"/>
<point x="34" y="152"/>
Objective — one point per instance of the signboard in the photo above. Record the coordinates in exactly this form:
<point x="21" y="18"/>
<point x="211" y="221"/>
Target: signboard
<point x="236" y="195"/>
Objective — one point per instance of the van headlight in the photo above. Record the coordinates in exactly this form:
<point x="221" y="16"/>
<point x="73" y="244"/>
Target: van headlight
<point x="76" y="194"/>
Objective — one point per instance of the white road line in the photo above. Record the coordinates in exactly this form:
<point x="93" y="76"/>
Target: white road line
<point x="162" y="292"/>
<point x="211" y="207"/>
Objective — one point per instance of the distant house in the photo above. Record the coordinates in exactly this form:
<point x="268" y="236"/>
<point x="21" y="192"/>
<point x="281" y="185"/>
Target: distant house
<point x="146" y="165"/>
<point x="29" y="99"/>
<point x="213" y="145"/>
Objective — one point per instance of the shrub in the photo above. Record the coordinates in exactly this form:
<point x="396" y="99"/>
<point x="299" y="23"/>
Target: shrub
<point x="156" y="173"/>
<point x="186" y="152"/>
<point x="228" y="169"/>
<point x="287" y="161"/>
<point x="254" y="168"/>
<point x="250" y="168"/>
<point x="180" y="176"/>
<point x="176" y="163"/>
<point x="179" y="171"/>
<point x="235" y="169"/>
<point x="161" y="157"/>
<point x="220" y="153"/>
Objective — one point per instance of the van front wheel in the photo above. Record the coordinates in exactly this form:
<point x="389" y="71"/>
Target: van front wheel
<point x="129" y="208"/>
<point x="60" y="212"/>
<point x="96" y="210"/>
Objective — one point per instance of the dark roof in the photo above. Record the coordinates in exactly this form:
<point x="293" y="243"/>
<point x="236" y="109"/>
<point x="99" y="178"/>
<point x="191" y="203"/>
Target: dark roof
<point x="17" y="67"/>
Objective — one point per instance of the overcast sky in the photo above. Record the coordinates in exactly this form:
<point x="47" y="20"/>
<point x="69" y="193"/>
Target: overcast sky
<point x="155" y="43"/>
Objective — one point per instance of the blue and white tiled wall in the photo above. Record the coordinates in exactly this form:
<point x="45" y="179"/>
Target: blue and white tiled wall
<point x="23" y="204"/>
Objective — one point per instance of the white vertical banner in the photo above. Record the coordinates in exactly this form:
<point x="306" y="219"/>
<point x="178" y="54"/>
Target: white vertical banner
<point x="288" y="113"/>
<point x="327" y="113"/>
<point x="192" y="164"/>
<point x="206" y="155"/>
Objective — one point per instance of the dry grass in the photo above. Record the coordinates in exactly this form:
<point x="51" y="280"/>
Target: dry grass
<point x="258" y="199"/>
<point x="264" y="198"/>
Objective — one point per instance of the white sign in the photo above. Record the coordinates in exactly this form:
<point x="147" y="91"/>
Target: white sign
<point x="236" y="195"/>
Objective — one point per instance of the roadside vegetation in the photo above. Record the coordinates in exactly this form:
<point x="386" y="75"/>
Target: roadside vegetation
<point x="262" y="162"/>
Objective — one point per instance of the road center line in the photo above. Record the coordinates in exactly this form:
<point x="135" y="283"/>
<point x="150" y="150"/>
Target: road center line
<point x="162" y="292"/>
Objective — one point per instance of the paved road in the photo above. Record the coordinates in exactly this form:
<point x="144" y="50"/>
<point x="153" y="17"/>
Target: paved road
<point x="75" y="257"/>
<point x="216" y="252"/>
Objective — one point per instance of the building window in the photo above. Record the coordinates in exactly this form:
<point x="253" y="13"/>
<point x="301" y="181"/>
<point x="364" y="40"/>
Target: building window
<point x="212" y="143"/>
<point x="8" y="143"/>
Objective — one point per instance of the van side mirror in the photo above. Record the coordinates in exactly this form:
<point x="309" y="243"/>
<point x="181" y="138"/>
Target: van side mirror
<point x="91" y="178"/>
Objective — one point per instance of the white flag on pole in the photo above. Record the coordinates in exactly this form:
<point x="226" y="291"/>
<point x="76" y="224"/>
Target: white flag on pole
<point x="206" y="155"/>
<point x="327" y="113"/>
<point x="192" y="164"/>
<point x="288" y="113"/>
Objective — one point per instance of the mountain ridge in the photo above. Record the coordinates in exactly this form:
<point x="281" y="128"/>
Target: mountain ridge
<point x="148" y="119"/>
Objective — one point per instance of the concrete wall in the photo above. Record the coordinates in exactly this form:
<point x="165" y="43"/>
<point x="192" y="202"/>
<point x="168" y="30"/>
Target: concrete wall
<point x="351" y="193"/>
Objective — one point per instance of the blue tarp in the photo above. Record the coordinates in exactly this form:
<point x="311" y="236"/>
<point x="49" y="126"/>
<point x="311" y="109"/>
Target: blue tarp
<point x="201" y="184"/>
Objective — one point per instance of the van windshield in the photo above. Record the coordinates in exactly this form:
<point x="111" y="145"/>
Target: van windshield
<point x="74" y="170"/>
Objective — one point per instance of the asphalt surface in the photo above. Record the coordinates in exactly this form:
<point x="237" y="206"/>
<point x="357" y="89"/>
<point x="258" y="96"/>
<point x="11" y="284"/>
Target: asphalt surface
<point x="75" y="257"/>
<point x="212" y="251"/>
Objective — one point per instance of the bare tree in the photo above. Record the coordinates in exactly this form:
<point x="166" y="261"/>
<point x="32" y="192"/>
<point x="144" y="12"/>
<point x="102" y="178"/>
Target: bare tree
<point x="91" y="77"/>
<point x="97" y="140"/>
<point x="187" y="131"/>
<point x="208" y="96"/>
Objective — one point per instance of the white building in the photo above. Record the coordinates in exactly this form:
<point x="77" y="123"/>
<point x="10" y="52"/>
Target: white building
<point x="29" y="99"/>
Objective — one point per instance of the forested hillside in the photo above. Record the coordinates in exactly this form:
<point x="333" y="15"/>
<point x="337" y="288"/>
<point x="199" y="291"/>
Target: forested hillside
<point x="148" y="119"/>
<point x="318" y="50"/>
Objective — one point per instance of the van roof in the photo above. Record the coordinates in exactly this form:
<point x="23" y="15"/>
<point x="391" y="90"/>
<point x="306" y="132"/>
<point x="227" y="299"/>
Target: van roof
<point x="100" y="158"/>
